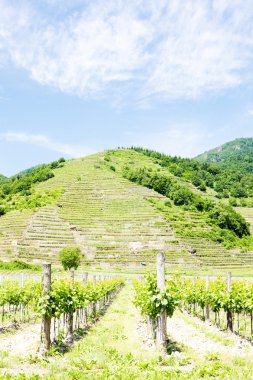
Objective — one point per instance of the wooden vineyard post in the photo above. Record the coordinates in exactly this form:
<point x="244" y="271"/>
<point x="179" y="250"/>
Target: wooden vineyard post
<point x="46" y="290"/>
<point x="229" y="312"/>
<point x="22" y="305"/>
<point x="161" y="329"/>
<point x="72" y="276"/>
<point x="194" y="285"/>
<point x="70" y="332"/>
<point x="207" y="306"/>
<point x="85" y="278"/>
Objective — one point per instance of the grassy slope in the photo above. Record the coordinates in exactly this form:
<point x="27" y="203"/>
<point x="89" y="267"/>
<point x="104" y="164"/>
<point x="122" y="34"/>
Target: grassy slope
<point x="112" y="221"/>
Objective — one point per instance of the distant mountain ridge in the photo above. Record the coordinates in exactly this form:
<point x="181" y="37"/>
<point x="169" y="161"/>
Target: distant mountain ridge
<point x="233" y="155"/>
<point x="2" y="178"/>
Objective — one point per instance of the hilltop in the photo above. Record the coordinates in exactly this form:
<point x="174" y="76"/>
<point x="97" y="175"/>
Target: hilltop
<point x="2" y="178"/>
<point x="234" y="155"/>
<point x="123" y="206"/>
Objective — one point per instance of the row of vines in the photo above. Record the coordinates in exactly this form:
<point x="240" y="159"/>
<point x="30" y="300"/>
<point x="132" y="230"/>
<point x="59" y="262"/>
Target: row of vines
<point x="229" y="306"/>
<point x="18" y="302"/>
<point x="69" y="305"/>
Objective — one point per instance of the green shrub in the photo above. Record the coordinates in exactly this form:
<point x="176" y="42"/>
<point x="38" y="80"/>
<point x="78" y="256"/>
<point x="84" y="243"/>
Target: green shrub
<point x="202" y="187"/>
<point x="70" y="257"/>
<point x="243" y="203"/>
<point x="182" y="196"/>
<point x="168" y="204"/>
<point x="233" y="201"/>
<point x="2" y="210"/>
<point x="226" y="217"/>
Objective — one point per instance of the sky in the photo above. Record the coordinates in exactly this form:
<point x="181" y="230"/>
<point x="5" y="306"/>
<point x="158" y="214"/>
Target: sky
<point x="78" y="77"/>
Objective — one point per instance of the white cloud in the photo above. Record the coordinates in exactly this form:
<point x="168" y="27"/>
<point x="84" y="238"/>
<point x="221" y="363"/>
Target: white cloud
<point x="46" y="143"/>
<point x="160" y="48"/>
<point x="180" y="139"/>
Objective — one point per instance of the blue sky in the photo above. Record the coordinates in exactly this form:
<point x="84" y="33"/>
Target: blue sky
<point x="80" y="76"/>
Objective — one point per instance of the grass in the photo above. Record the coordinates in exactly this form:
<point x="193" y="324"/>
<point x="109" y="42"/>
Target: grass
<point x="113" y="349"/>
<point x="20" y="265"/>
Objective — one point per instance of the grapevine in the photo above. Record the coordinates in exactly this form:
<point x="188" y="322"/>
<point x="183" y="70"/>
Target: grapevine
<point x="152" y="301"/>
<point x="195" y="295"/>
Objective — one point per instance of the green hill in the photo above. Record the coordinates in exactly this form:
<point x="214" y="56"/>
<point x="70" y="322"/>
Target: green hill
<point x="2" y="178"/>
<point x="234" y="155"/>
<point x="121" y="207"/>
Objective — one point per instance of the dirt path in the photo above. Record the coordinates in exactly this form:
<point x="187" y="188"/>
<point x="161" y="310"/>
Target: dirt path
<point x="204" y="337"/>
<point x="23" y="342"/>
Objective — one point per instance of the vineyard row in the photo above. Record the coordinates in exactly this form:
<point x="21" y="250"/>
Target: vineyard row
<point x="64" y="306"/>
<point x="228" y="304"/>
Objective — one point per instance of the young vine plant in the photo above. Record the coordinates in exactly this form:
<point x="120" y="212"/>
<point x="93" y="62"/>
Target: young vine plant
<point x="152" y="301"/>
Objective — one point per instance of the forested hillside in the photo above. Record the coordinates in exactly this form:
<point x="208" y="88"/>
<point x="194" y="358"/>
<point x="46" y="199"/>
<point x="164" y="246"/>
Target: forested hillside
<point x="19" y="192"/>
<point x="2" y="178"/>
<point x="226" y="181"/>
<point x="234" y="155"/>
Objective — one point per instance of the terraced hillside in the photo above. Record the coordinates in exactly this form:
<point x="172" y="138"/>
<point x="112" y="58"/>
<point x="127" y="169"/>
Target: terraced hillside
<point x="188" y="226"/>
<point x="104" y="214"/>
<point x="112" y="220"/>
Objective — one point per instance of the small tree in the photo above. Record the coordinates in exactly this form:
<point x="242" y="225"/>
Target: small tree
<point x="70" y="257"/>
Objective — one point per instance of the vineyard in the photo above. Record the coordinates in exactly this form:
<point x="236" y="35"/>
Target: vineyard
<point x="108" y="319"/>
<point x="80" y="337"/>
<point x="65" y="308"/>
<point x="229" y="305"/>
<point x="17" y="302"/>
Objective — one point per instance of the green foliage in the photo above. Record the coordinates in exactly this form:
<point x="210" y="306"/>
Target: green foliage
<point x="152" y="301"/>
<point x="70" y="257"/>
<point x="66" y="297"/>
<point x="2" y="210"/>
<point x="223" y="216"/>
<point x="165" y="185"/>
<point x="17" y="192"/>
<point x="19" y="265"/>
<point x="236" y="155"/>
<point x="31" y="200"/>
<point x="202" y="186"/>
<point x="227" y="218"/>
<point x="238" y="300"/>
<point x="13" y="294"/>
<point x="233" y="201"/>
<point x="234" y="178"/>
<point x="3" y="178"/>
